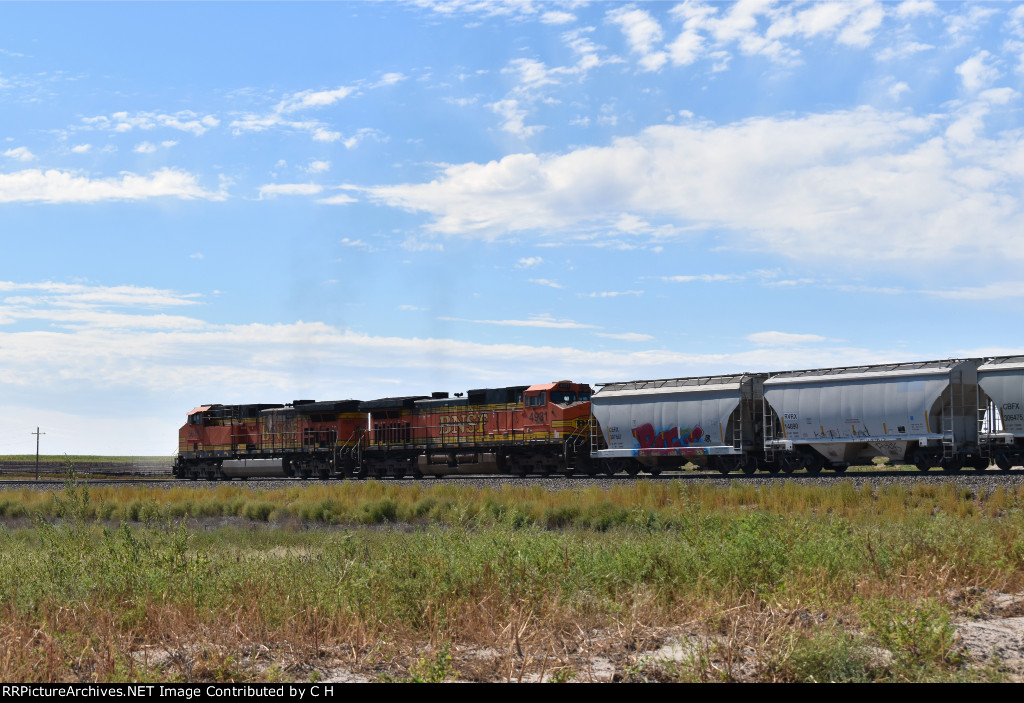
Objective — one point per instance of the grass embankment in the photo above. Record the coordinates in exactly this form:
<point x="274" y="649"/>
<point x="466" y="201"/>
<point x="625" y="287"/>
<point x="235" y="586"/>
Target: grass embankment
<point x="784" y="582"/>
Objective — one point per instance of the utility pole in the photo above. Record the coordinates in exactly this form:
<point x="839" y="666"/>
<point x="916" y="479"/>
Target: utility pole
<point x="37" y="433"/>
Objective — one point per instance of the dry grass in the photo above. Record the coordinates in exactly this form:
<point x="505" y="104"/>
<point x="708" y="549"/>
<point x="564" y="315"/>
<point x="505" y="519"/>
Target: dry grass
<point x="659" y="581"/>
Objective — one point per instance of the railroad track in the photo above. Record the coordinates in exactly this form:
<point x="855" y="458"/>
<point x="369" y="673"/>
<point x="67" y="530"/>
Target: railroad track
<point x="972" y="479"/>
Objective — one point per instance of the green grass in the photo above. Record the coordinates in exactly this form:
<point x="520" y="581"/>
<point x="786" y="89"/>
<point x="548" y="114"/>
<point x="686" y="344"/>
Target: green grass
<point x="813" y="579"/>
<point x="76" y="458"/>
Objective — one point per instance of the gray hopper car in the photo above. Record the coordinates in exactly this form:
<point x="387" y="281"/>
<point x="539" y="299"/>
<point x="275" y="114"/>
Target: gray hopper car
<point x="930" y="414"/>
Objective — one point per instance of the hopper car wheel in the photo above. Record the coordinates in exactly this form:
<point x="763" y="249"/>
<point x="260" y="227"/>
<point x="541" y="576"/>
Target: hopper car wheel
<point x="788" y="464"/>
<point x="979" y="464"/>
<point x="725" y="466"/>
<point x="632" y="468"/>
<point x="813" y="463"/>
<point x="609" y="467"/>
<point x="951" y="465"/>
<point x="840" y="468"/>
<point x="748" y="466"/>
<point x="773" y="467"/>
<point x="1003" y="462"/>
<point x="922" y="462"/>
<point x="654" y="472"/>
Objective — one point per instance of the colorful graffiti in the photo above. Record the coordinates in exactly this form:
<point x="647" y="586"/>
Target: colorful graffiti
<point x="667" y="438"/>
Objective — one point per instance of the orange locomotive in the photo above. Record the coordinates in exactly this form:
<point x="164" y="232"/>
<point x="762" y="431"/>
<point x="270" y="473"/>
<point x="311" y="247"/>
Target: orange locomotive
<point x="516" y="430"/>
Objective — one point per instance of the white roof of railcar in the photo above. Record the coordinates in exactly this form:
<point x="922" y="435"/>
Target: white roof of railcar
<point x="1003" y="363"/>
<point x="876" y="371"/>
<point x="673" y="385"/>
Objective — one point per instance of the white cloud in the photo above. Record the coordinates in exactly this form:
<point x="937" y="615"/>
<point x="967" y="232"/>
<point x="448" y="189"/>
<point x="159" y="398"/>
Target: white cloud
<point x="183" y="358"/>
<point x="882" y="184"/>
<point x="281" y="116"/>
<point x="313" y="99"/>
<point x="626" y="336"/>
<point x="360" y="136"/>
<point x="557" y="17"/>
<point x="144" y="148"/>
<point x="902" y="51"/>
<point x="613" y="293"/>
<point x="1000" y="290"/>
<point x="273" y="190"/>
<point x="545" y="282"/>
<point x="514" y="117"/>
<point x="643" y="34"/>
<point x="55" y="186"/>
<point x="897" y="89"/>
<point x="913" y="8"/>
<point x="20" y="153"/>
<point x="318" y="166"/>
<point x="543" y="321"/>
<point x="84" y="295"/>
<point x="81" y="148"/>
<point x="703" y="278"/>
<point x="185" y="121"/>
<point x="961" y="26"/>
<point x="356" y="244"/>
<point x="337" y="199"/>
<point x="529" y="262"/>
<point x="390" y="79"/>
<point x="976" y="73"/>
<point x="781" y="339"/>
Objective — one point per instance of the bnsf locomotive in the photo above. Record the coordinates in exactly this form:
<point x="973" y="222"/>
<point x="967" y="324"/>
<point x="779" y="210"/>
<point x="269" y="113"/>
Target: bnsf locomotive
<point x="515" y="430"/>
<point x="949" y="414"/>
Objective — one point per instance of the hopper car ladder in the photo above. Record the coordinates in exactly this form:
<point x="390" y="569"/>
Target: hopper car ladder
<point x="949" y="417"/>
<point x="986" y="422"/>
<point x="768" y="417"/>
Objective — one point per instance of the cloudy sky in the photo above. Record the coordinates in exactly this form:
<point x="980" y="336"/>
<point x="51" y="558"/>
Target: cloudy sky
<point x="259" y="202"/>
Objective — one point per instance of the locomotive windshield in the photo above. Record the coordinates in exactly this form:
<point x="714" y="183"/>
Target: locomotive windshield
<point x="563" y="397"/>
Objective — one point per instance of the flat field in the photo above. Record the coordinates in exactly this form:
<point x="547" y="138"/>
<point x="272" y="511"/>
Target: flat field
<point x="654" y="581"/>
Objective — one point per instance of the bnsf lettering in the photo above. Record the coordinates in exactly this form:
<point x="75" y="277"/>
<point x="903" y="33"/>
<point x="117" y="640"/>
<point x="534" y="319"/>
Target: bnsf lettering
<point x="462" y="424"/>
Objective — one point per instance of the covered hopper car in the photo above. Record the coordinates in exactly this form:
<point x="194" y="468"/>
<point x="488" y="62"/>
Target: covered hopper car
<point x="930" y="414"/>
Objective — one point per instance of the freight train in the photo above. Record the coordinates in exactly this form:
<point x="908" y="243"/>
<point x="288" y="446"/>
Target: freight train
<point x="947" y="414"/>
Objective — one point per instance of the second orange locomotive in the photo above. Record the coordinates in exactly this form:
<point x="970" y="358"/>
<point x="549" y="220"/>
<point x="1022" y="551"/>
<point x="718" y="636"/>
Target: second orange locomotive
<point x="517" y="430"/>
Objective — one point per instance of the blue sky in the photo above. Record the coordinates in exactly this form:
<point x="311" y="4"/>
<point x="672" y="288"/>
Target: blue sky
<point x="239" y="202"/>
